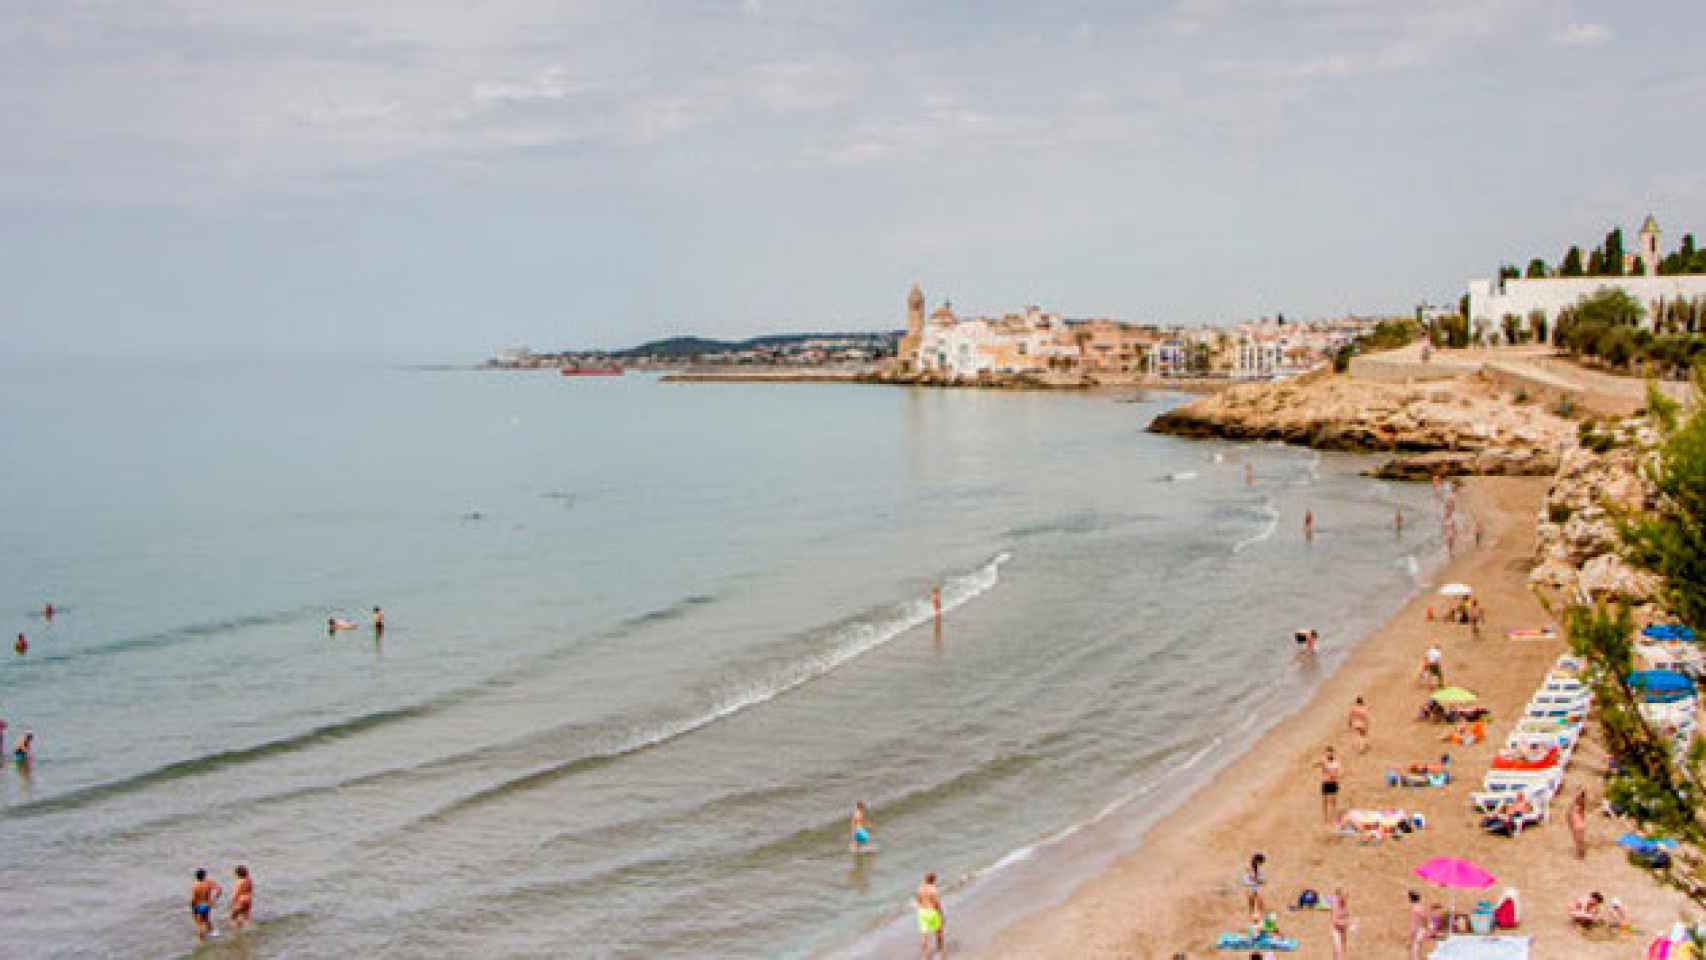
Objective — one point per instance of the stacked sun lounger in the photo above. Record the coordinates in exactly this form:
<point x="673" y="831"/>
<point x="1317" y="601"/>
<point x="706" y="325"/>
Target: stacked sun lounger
<point x="1539" y="747"/>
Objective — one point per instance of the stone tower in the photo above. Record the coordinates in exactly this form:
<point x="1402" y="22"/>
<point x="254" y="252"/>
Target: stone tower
<point x="907" y="354"/>
<point x="1650" y="246"/>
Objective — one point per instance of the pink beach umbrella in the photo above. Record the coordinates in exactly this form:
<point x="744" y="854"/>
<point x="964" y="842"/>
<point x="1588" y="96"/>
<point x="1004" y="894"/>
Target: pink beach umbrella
<point x="1456" y="873"/>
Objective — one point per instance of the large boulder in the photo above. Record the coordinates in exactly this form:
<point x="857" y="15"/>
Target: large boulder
<point x="1610" y="577"/>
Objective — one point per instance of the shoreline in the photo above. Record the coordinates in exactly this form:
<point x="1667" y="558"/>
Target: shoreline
<point x="1046" y="872"/>
<point x="1177" y="888"/>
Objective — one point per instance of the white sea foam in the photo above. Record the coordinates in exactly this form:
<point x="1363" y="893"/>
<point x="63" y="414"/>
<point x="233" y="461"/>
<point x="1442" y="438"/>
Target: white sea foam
<point x="1271" y="510"/>
<point x="852" y="641"/>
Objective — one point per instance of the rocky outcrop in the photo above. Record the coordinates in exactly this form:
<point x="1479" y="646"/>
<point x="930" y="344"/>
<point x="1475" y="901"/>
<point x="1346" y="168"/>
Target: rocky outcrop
<point x="1468" y="423"/>
<point x="1528" y="462"/>
<point x="1578" y="549"/>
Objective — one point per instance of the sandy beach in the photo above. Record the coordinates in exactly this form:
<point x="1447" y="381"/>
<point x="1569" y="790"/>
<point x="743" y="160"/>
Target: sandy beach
<point x="1179" y="889"/>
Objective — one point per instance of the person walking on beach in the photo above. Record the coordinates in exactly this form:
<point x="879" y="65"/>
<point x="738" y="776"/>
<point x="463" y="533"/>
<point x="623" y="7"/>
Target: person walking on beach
<point x="1418" y="925"/>
<point x="1309" y="526"/>
<point x="1578" y="819"/>
<point x="1397" y="521"/>
<point x="1249" y="474"/>
<point x="1253" y="881"/>
<point x="932" y="938"/>
<point x="1341" y="924"/>
<point x="242" y="898"/>
<point x="861" y="829"/>
<point x="1330" y="771"/>
<point x="203" y="894"/>
<point x="1358" y="721"/>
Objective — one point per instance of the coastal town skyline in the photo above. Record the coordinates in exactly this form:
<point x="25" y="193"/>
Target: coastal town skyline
<point x="355" y="176"/>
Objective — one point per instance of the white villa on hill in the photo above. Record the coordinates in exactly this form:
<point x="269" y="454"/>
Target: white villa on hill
<point x="1490" y="301"/>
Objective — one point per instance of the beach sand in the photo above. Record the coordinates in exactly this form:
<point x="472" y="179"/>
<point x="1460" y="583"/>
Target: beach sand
<point x="1179" y="889"/>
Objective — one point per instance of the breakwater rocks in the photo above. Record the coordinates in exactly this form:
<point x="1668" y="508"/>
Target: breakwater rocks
<point x="1460" y="427"/>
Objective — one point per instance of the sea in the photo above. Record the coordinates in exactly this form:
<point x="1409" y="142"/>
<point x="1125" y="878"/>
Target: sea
<point x="646" y="644"/>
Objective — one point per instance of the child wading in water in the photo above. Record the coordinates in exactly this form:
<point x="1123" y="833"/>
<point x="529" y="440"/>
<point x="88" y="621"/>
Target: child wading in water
<point x="861" y="829"/>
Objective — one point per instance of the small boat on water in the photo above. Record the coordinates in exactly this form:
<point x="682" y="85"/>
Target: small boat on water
<point x="611" y="371"/>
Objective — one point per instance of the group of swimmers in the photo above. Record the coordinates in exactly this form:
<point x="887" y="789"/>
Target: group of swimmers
<point x="24" y="750"/>
<point x="335" y="624"/>
<point x="204" y="893"/>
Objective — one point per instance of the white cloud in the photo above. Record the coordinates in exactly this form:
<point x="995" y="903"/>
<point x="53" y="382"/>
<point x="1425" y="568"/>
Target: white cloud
<point x="552" y="83"/>
<point x="1582" y="35"/>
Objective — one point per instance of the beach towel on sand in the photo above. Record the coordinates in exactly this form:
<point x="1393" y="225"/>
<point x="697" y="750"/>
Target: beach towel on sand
<point x="1243" y="941"/>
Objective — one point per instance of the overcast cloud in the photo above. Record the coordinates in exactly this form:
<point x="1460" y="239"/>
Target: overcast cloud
<point x="444" y="177"/>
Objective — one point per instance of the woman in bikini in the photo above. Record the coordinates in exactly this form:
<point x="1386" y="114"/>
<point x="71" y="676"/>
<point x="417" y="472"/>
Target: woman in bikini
<point x="1330" y="770"/>
<point x="1253" y="881"/>
<point x="1341" y="924"/>
<point x="1358" y="719"/>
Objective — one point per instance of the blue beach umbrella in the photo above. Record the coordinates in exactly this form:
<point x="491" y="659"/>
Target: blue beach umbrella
<point x="1667" y="631"/>
<point x="1660" y="681"/>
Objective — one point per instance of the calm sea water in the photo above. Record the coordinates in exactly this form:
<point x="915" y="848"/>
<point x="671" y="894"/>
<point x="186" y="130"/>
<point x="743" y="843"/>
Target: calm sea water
<point x="646" y="645"/>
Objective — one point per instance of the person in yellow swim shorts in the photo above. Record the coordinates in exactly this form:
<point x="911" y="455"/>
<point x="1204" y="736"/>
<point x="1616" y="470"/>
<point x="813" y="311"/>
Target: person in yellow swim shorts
<point x="931" y="938"/>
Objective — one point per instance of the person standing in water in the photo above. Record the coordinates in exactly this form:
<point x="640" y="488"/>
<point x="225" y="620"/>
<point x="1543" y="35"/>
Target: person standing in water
<point x="1398" y="521"/>
<point x="932" y="937"/>
<point x="860" y="828"/>
<point x="47" y="612"/>
<point x="203" y="894"/>
<point x="378" y="622"/>
<point x="21" y="645"/>
<point x="936" y="601"/>
<point x="242" y="899"/>
<point x="1309" y="525"/>
<point x="1249" y="474"/>
<point x="25" y="749"/>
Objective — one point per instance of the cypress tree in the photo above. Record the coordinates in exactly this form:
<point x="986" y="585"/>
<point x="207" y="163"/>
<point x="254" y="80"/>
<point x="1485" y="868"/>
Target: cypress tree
<point x="1572" y="263"/>
<point x="1596" y="263"/>
<point x="1536" y="269"/>
<point x="1614" y="253"/>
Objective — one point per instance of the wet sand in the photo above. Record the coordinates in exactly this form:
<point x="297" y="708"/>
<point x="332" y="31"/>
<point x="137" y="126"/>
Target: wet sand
<point x="1179" y="889"/>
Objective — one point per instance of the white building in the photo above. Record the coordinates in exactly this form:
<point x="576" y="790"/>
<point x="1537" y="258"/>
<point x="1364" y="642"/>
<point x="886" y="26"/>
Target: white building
<point x="1490" y="301"/>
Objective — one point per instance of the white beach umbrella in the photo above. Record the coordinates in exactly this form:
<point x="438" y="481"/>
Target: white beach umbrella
<point x="1456" y="590"/>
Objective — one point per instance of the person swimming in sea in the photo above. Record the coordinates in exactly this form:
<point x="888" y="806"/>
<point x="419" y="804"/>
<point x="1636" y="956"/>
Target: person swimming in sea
<point x="861" y="829"/>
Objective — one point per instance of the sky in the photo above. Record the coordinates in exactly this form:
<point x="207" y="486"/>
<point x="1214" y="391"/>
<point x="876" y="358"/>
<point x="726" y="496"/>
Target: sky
<point x="444" y="177"/>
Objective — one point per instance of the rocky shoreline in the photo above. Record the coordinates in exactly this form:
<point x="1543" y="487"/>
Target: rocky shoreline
<point x="1455" y="428"/>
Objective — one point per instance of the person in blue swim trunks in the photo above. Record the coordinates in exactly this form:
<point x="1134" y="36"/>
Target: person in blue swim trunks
<point x="204" y="893"/>
<point x="861" y="827"/>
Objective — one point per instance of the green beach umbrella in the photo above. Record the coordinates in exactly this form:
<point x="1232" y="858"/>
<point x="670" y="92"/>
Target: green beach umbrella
<point x="1454" y="695"/>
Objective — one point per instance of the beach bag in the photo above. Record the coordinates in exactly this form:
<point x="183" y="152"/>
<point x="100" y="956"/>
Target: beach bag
<point x="1308" y="899"/>
<point x="1504" y="915"/>
<point x="1653" y="858"/>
